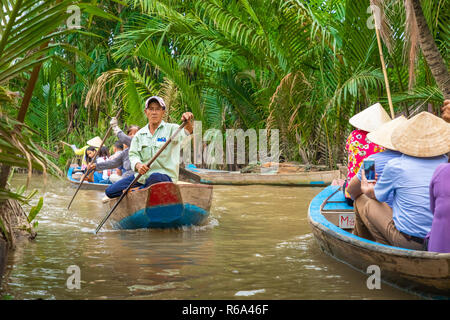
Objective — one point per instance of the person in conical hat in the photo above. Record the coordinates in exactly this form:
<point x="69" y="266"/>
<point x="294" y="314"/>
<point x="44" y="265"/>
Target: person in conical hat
<point x="407" y="178"/>
<point x="358" y="145"/>
<point x="370" y="119"/>
<point x="87" y="151"/>
<point x="382" y="137"/>
<point x="424" y="135"/>
<point x="95" y="142"/>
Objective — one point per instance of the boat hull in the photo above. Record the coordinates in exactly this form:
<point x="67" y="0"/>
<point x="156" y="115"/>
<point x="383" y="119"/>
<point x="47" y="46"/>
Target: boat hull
<point x="216" y="177"/>
<point x="162" y="205"/>
<point x="421" y="272"/>
<point x="86" y="185"/>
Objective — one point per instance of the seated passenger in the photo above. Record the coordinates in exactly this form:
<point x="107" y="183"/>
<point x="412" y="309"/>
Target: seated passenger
<point x="122" y="160"/>
<point x="117" y="149"/>
<point x="89" y="154"/>
<point x="381" y="137"/>
<point x="102" y="176"/>
<point x="358" y="145"/>
<point x="92" y="145"/>
<point x="423" y="140"/>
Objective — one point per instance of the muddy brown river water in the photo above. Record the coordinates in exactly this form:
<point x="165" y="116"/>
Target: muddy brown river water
<point x="257" y="244"/>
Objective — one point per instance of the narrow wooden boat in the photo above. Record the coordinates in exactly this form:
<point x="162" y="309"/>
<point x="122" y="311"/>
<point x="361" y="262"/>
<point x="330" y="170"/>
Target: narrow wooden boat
<point x="162" y="205"/>
<point x="86" y="185"/>
<point x="420" y="272"/>
<point x="205" y="176"/>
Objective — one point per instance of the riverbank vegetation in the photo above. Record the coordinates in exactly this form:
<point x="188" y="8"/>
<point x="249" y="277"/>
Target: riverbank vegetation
<point x="303" y="67"/>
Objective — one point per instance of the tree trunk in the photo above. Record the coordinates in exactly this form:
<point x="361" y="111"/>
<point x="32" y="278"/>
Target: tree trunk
<point x="28" y="93"/>
<point x="3" y="257"/>
<point x="4" y="174"/>
<point x="431" y="52"/>
<point x="15" y="221"/>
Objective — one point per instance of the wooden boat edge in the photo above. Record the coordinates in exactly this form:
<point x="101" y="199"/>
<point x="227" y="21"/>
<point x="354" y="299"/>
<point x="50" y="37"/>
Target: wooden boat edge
<point x="87" y="185"/>
<point x="282" y="179"/>
<point x="325" y="226"/>
<point x="195" y="201"/>
<point x="422" y="273"/>
<point x="107" y="201"/>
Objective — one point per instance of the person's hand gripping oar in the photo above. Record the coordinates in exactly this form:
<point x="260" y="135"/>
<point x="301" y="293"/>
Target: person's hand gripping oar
<point x="92" y="161"/>
<point x="138" y="176"/>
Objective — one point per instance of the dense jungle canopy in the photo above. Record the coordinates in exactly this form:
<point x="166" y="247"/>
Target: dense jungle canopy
<point x="301" y="66"/>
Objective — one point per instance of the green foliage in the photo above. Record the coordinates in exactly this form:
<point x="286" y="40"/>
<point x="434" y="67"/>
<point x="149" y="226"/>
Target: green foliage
<point x="134" y="103"/>
<point x="18" y="147"/>
<point x="304" y="67"/>
<point x="35" y="210"/>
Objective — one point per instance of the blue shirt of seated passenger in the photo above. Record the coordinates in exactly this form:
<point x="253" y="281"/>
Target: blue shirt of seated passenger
<point x="381" y="158"/>
<point x="408" y="180"/>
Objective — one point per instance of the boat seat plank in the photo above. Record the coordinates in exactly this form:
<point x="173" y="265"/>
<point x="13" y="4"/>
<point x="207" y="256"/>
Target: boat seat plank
<point x="337" y="203"/>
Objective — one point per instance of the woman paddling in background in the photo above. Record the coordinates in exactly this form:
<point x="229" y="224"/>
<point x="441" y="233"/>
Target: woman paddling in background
<point x="87" y="152"/>
<point x="121" y="160"/>
<point x="358" y="145"/>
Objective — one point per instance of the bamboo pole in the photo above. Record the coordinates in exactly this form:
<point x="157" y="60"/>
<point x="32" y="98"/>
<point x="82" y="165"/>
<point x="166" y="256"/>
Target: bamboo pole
<point x="383" y="65"/>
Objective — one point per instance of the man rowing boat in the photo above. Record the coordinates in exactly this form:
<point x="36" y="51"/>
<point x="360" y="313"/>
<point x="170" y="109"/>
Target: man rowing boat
<point x="146" y="144"/>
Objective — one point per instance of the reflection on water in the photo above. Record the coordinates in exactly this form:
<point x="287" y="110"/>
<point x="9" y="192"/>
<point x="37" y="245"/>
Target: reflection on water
<point x="256" y="245"/>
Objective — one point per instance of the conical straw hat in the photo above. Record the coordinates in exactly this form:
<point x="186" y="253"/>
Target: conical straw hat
<point x="382" y="136"/>
<point x="424" y="135"/>
<point x="371" y="118"/>
<point x="95" y="142"/>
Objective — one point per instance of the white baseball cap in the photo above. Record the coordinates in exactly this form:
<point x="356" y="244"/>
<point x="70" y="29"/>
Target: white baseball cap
<point x="158" y="99"/>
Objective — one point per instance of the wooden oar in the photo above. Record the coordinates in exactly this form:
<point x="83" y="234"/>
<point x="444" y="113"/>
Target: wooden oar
<point x="138" y="176"/>
<point x="67" y="144"/>
<point x="92" y="160"/>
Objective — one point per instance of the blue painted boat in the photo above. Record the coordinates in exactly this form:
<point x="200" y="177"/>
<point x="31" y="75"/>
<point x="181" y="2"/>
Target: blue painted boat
<point x="421" y="272"/>
<point x="220" y="177"/>
<point x="86" y="185"/>
<point x="162" y="205"/>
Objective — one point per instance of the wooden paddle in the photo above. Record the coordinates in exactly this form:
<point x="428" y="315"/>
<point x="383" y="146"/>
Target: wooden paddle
<point x="67" y="144"/>
<point x="92" y="160"/>
<point x="138" y="176"/>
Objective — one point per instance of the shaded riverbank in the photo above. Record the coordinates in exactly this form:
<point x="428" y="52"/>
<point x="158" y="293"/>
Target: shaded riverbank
<point x="3" y="257"/>
<point x="257" y="244"/>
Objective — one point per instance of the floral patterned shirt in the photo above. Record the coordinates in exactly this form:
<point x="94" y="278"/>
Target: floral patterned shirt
<point x="358" y="147"/>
